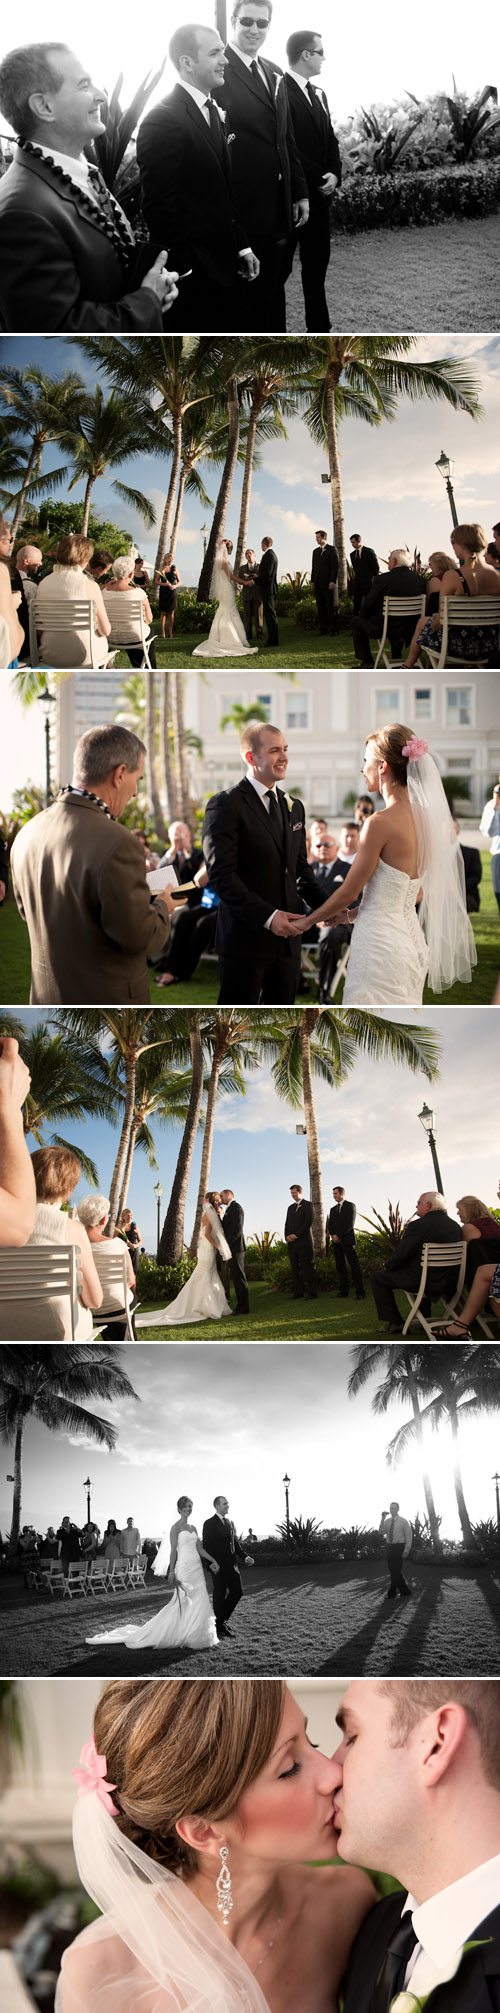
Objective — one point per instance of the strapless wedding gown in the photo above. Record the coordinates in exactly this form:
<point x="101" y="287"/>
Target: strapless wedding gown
<point x="388" y="958"/>
<point x="227" y="636"/>
<point x="201" y="1299"/>
<point x="188" y="1619"/>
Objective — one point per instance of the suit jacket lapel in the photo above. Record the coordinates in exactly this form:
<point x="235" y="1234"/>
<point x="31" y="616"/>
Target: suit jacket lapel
<point x="287" y="822"/>
<point x="256" y="804"/>
<point x="195" y="113"/>
<point x="253" y="83"/>
<point x="68" y="192"/>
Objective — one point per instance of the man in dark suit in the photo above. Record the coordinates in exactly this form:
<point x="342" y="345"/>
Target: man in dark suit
<point x="182" y="855"/>
<point x="334" y="936"/>
<point x="324" y="576"/>
<point x="193" y="927"/>
<point x="268" y="587"/>
<point x="401" y="581"/>
<point x="254" y="843"/>
<point x="340" y="1229"/>
<point x="252" y="597"/>
<point x="219" y="1538"/>
<point x="269" y="183"/>
<point x="298" y="1235"/>
<point x="320" y="156"/>
<point x="365" y="567"/>
<point x="233" y="1220"/>
<point x="185" y="167"/>
<point x="69" y="261"/>
<point x="419" y="1799"/>
<point x="403" y="1267"/>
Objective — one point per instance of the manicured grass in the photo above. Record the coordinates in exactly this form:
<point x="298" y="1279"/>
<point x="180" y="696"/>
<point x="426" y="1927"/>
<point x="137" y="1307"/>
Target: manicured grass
<point x="386" y="279"/>
<point x="299" y="649"/>
<point x="203" y="988"/>
<point x="276" y="1317"/>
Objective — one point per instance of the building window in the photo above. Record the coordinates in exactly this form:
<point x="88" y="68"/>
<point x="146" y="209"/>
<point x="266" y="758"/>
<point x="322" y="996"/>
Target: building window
<point x="297" y="711"/>
<point x="459" y="765"/>
<point x="264" y="699"/>
<point x="422" y="702"/>
<point x="387" y="705"/>
<point x="459" y="706"/>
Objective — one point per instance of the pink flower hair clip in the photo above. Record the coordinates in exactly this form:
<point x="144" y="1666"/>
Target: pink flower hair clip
<point x="92" y="1775"/>
<point x="415" y="748"/>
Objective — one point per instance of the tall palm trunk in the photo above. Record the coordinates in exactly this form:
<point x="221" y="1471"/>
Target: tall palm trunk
<point x="121" y="1158"/>
<point x="419" y="1434"/>
<point x="309" y="1018"/>
<point x="467" y="1532"/>
<point x="178" y="509"/>
<point x="170" y="782"/>
<point x="151" y="762"/>
<point x="180" y="742"/>
<point x="247" y="483"/>
<point x="86" y="506"/>
<point x="208" y="1136"/>
<point x="172" y="1237"/>
<point x="16" y="1497"/>
<point x="163" y="541"/>
<point x="222" y="504"/>
<point x="122" y="1204"/>
<point x="30" y="466"/>
<point x="336" y="478"/>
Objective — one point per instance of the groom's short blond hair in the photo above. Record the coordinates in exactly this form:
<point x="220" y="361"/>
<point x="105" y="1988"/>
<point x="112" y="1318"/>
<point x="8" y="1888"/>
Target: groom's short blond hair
<point x="413" y="1698"/>
<point x="251" y="739"/>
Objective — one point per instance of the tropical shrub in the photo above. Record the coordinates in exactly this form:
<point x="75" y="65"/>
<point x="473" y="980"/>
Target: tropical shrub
<point x="163" y="1282"/>
<point x="381" y="202"/>
<point x="455" y="786"/>
<point x="193" y="617"/>
<point x="306" y="613"/>
<point x="487" y="1537"/>
<point x="56" y="520"/>
<point x="300" y="1532"/>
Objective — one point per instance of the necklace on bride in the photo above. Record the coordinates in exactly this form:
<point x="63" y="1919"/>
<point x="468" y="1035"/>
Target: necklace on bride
<point x="265" y="1953"/>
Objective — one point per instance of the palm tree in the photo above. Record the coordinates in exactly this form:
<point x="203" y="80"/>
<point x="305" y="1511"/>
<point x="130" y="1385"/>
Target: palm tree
<point x="161" y="1094"/>
<point x="239" y="716"/>
<point x="204" y="438"/>
<point x="128" y="1032"/>
<point x="465" y="1384"/>
<point x="69" y="1082"/>
<point x="152" y="785"/>
<point x="37" y="404"/>
<point x="232" y="1036"/>
<point x="97" y="434"/>
<point x="172" y="1237"/>
<point x="274" y="372"/>
<point x="218" y="524"/>
<point x="370" y="1356"/>
<point x="320" y="1041"/>
<point x="171" y="374"/>
<point x="55" y="1385"/>
<point x="359" y="376"/>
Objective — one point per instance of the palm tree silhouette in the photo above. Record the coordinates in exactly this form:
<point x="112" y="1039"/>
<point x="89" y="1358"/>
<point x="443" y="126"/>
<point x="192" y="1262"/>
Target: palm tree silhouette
<point x="55" y="1385"/>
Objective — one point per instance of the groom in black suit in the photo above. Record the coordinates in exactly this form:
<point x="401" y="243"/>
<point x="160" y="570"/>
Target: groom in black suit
<point x="268" y="585"/>
<point x="420" y="1799"/>
<point x="233" y="1220"/>
<point x="254" y="843"/>
<point x="268" y="178"/>
<point x="185" y="167"/>
<point x="219" y="1538"/>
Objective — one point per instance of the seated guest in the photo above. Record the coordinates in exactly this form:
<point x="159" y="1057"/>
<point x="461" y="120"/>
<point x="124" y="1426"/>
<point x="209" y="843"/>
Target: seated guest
<point x="322" y="858"/>
<point x="474" y="575"/>
<point x="318" y="148"/>
<point x="365" y="566"/>
<point x="69" y="260"/>
<point x="17" y="1181"/>
<point x="130" y="1234"/>
<point x="473" y="870"/>
<point x="484" y="1292"/>
<point x="315" y="831"/>
<point x="181" y="854"/>
<point x="100" y="563"/>
<point x="399" y="581"/>
<point x="363" y="809"/>
<point x="56" y="1172"/>
<point x="70" y="582"/>
<point x="122" y="624"/>
<point x="93" y="1212"/>
<point x="403" y="1266"/>
<point x="493" y="553"/>
<point x="481" y="1233"/>
<point x="4" y="870"/>
<point x="192" y="934"/>
<point x="10" y="598"/>
<point x="334" y="936"/>
<point x="25" y="575"/>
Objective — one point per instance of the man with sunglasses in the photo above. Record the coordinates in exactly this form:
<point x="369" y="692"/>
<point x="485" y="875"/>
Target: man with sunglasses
<point x="269" y="184"/>
<point x="320" y="156"/>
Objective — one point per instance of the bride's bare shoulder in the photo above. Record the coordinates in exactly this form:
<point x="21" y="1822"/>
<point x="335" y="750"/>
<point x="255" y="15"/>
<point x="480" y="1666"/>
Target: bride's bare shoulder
<point x="89" y="1965"/>
<point x="335" y="1897"/>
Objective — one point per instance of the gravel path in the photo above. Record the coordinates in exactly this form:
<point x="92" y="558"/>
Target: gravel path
<point x="325" y="1620"/>
<point x="444" y="277"/>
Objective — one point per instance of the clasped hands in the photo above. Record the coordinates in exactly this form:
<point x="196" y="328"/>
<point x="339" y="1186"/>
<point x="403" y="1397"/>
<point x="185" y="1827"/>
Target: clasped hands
<point x="285" y="925"/>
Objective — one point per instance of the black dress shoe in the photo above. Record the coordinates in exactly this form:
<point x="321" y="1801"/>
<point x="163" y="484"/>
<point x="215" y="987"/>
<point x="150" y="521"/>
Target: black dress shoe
<point x="361" y="1296"/>
<point x="312" y="1296"/>
<point x="242" y="1310"/>
<point x="297" y="1296"/>
<point x="393" y="1329"/>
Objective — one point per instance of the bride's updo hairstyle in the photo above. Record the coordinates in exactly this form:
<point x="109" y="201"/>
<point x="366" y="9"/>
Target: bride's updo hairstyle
<point x="181" y="1747"/>
<point x="210" y="1197"/>
<point x="388" y="745"/>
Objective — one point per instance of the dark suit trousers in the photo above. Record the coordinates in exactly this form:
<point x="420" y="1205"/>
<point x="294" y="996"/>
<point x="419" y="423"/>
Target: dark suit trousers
<point x="259" y="985"/>
<point x="193" y="932"/>
<point x="398" y="1584"/>
<point x="269" y="611"/>
<point x="325" y="603"/>
<point x="364" y="626"/>
<point x="330" y="950"/>
<point x="227" y="1591"/>
<point x="202" y="307"/>
<point x="314" y="250"/>
<point x="233" y="1268"/>
<point x="346" y="1254"/>
<point x="301" y="1257"/>
<point x="385" y="1301"/>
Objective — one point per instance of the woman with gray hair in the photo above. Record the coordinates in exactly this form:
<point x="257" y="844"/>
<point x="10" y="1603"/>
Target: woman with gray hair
<point x="123" y="583"/>
<point x="93" y="1212"/>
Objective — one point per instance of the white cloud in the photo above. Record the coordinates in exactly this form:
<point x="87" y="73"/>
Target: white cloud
<point x="188" y="537"/>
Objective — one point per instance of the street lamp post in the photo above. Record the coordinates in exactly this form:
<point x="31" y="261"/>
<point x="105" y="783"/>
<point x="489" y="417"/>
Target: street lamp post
<point x="47" y="700"/>
<point x="88" y="1486"/>
<point x="496" y="1480"/>
<point x="427" y="1119"/>
<point x="446" y="468"/>
<point x="286" y="1486"/>
<point x="158" y="1190"/>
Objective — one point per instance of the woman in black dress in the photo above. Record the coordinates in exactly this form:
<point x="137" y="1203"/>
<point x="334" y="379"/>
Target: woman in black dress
<point x="168" y="580"/>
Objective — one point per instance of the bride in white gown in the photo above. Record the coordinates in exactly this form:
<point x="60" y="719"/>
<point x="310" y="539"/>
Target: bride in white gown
<point x="227" y="636"/>
<point x="188" y="1620"/>
<point x="203" y="1297"/>
<point x="408" y="850"/>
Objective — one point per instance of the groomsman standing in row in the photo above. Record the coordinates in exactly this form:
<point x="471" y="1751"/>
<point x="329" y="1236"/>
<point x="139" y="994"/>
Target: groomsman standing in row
<point x="269" y="183"/>
<point x="320" y="156"/>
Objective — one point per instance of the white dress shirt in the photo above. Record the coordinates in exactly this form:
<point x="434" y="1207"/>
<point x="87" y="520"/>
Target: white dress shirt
<point x="200" y="98"/>
<point x="264" y="793"/>
<point x="304" y="86"/>
<point x="447" y="1921"/>
<point x="76" y="167"/>
<point x="402" y="1533"/>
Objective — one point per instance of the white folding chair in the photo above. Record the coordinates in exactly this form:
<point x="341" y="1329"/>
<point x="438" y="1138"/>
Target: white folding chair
<point x="129" y="629"/>
<point x="112" y="1269"/>
<point x="340" y="972"/>
<point x="98" y="1576"/>
<point x="76" y="1577"/>
<point x="394" y="606"/>
<point x="119" y="1574"/>
<point x="446" y="1258"/>
<point x="38" y="1274"/>
<point x="138" y="1570"/>
<point x="481" y="612"/>
<point x="60" y="617"/>
<point x="56" y="1579"/>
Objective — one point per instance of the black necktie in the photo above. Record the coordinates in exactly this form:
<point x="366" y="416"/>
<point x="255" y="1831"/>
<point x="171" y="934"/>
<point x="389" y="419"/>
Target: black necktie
<point x="215" y="125"/>
<point x="259" y="75"/>
<point x="314" y="102"/>
<point x="274" y="811"/>
<point x="391" y="1976"/>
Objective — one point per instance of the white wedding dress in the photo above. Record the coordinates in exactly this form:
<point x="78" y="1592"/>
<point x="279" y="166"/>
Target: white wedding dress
<point x="188" y="1619"/>
<point x="388" y="958"/>
<point x="227" y="636"/>
<point x="203" y="1297"/>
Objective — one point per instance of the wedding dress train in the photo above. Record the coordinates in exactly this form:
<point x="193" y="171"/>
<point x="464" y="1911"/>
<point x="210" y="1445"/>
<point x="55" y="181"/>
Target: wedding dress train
<point x="188" y="1618"/>
<point x="227" y="636"/>
<point x="203" y="1297"/>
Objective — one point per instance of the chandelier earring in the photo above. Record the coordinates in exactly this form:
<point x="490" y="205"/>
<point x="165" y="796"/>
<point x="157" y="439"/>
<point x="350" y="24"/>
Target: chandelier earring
<point x="224" y="1888"/>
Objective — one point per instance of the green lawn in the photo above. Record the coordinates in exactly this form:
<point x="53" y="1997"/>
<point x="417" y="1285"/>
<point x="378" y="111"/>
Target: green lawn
<point x="203" y="989"/>
<point x="274" y="1317"/>
<point x="299" y="649"/>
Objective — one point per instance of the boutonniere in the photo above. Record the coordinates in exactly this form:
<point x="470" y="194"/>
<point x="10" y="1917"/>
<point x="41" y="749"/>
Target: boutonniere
<point x="222" y="114"/>
<point x="230" y="137"/>
<point x="408" y="2001"/>
<point x="288" y="801"/>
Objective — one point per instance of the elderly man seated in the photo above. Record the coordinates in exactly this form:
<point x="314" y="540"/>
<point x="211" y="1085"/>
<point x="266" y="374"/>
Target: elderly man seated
<point x="399" y="581"/>
<point x="93" y="1212"/>
<point x="123" y="587"/>
<point x="403" y="1267"/>
<point x="69" y="258"/>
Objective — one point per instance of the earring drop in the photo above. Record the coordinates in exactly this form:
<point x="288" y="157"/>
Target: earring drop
<point x="224" y="1888"/>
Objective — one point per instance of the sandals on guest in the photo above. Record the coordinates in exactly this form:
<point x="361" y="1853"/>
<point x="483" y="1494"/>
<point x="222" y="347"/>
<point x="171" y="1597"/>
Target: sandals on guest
<point x="443" y="1334"/>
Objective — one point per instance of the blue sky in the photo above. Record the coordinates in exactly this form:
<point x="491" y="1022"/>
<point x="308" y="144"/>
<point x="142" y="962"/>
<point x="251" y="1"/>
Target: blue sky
<point x="370" y="1136"/>
<point x="392" y="491"/>
<point x="215" y="1417"/>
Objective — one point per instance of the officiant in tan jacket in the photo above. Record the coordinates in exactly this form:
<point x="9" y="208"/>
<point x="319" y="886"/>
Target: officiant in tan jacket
<point x="80" y="883"/>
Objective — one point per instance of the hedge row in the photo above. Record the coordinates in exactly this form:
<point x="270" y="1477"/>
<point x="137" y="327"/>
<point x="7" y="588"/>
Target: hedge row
<point x="375" y="202"/>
